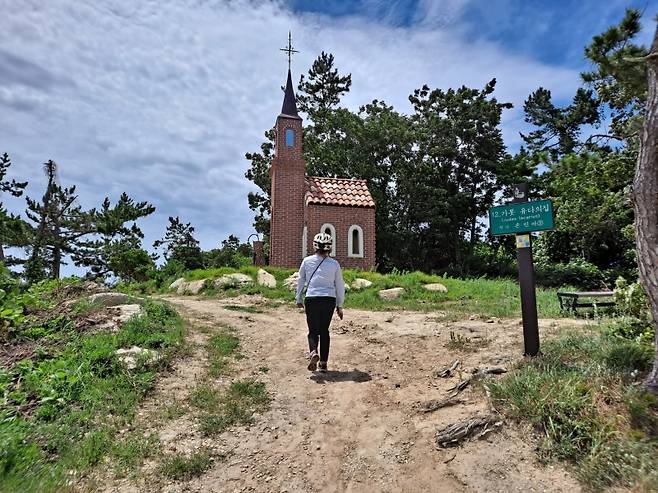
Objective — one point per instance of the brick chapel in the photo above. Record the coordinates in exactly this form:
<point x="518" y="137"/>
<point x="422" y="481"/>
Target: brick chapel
<point x="303" y="206"/>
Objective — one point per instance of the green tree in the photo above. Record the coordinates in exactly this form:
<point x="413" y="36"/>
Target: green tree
<point x="180" y="245"/>
<point x="113" y="245"/>
<point x="460" y="151"/>
<point x="618" y="79"/>
<point x="59" y="224"/>
<point x="259" y="174"/>
<point x="590" y="180"/>
<point x="12" y="228"/>
<point x="232" y="253"/>
<point x="558" y="129"/>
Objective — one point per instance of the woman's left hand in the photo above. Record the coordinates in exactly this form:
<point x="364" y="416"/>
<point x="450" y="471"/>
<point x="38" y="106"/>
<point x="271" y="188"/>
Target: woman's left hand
<point x="339" y="311"/>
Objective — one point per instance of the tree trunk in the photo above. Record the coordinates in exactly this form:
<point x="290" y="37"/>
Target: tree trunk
<point x="645" y="201"/>
<point x="57" y="262"/>
<point x="2" y="253"/>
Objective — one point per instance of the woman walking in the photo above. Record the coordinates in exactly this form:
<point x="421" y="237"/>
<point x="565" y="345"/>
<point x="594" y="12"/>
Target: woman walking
<point x="321" y="277"/>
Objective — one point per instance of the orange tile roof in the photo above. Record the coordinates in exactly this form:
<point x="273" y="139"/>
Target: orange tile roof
<point x="338" y="191"/>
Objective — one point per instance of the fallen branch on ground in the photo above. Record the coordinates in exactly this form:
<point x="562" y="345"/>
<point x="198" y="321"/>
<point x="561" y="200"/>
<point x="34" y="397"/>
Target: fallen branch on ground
<point x="435" y="404"/>
<point x="447" y="372"/>
<point x="477" y="426"/>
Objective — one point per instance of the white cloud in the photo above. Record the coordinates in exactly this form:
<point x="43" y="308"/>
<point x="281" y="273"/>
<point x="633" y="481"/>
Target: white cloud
<point x="162" y="99"/>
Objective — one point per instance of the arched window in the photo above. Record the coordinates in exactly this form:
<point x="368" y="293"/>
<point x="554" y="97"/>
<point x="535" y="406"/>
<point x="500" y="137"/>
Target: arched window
<point x="330" y="230"/>
<point x="290" y="137"/>
<point x="304" y="242"/>
<point x="355" y="241"/>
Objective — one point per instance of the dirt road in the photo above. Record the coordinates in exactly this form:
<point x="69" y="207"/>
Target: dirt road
<point x="357" y="428"/>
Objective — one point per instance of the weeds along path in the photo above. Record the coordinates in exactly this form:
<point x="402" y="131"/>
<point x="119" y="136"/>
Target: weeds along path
<point x="358" y="428"/>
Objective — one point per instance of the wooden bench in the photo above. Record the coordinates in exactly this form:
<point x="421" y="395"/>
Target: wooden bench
<point x="571" y="300"/>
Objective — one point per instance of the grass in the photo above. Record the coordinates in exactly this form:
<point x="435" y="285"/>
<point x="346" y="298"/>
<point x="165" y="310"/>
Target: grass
<point x="219" y="347"/>
<point x="485" y="297"/>
<point x="581" y="397"/>
<point x="130" y="450"/>
<point x="235" y="406"/>
<point x="459" y="342"/>
<point x="185" y="467"/>
<point x="61" y="409"/>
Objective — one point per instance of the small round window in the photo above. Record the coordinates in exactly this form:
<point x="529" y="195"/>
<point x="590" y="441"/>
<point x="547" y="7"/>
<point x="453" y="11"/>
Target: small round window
<point x="290" y="137"/>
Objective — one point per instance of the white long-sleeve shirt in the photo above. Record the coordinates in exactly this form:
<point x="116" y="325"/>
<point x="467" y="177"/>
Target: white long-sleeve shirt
<point x="327" y="280"/>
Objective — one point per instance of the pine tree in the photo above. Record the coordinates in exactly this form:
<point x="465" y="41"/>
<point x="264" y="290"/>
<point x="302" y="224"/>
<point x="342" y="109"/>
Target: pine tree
<point x="618" y="79"/>
<point x="645" y="194"/>
<point x="12" y="228"/>
<point x="114" y="247"/>
<point x="59" y="224"/>
<point x="320" y="92"/>
<point x="180" y="245"/>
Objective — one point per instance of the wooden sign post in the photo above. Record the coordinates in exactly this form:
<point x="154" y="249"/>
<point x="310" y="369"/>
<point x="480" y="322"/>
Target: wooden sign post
<point x="520" y="217"/>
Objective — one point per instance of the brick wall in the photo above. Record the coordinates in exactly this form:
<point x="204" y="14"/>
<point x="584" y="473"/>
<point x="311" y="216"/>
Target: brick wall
<point x="342" y="217"/>
<point x="288" y="189"/>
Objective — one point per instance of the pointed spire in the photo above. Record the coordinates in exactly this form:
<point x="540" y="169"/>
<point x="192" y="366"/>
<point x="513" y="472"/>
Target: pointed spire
<point x="289" y="107"/>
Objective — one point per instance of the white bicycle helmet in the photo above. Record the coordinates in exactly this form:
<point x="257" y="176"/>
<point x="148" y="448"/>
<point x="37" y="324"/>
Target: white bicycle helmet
<point x="322" y="242"/>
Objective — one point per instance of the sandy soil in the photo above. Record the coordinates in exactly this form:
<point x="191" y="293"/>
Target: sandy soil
<point x="357" y="428"/>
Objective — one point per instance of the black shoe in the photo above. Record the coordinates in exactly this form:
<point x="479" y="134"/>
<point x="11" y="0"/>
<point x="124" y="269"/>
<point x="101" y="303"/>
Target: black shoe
<point x="313" y="361"/>
<point x="322" y="366"/>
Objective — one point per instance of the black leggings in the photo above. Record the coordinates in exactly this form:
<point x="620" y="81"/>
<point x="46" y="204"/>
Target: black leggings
<point x="319" y="311"/>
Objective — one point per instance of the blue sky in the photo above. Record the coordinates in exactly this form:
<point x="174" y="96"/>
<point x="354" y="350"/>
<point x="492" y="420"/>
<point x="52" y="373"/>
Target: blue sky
<point x="162" y="99"/>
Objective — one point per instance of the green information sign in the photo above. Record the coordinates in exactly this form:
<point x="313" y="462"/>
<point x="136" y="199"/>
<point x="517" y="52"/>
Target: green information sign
<point x="521" y="217"/>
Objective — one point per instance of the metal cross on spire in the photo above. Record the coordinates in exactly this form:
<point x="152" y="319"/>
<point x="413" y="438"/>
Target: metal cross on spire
<point x="289" y="49"/>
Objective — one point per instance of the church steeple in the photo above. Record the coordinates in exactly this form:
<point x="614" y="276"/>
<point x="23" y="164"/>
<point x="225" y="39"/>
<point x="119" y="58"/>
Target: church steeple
<point x="289" y="107"/>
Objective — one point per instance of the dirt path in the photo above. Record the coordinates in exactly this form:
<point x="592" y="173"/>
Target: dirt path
<point x="358" y="428"/>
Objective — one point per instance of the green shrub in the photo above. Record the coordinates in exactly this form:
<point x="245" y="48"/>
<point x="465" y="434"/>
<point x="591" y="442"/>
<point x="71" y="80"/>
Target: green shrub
<point x="577" y="273"/>
<point x="630" y="328"/>
<point x="631" y="300"/>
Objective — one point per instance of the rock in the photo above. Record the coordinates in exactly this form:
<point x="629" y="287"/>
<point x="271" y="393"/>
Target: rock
<point x="126" y="312"/>
<point x="291" y="281"/>
<point x="266" y="279"/>
<point x="391" y="294"/>
<point x="112" y="299"/>
<point x="130" y="356"/>
<point x="360" y="283"/>
<point x="232" y="281"/>
<point x="176" y="283"/>
<point x="192" y="287"/>
<point x="437" y="286"/>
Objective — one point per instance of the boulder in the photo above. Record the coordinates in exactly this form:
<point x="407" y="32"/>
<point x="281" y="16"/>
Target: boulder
<point x="112" y="299"/>
<point x="266" y="279"/>
<point x="126" y="312"/>
<point x="176" y="283"/>
<point x="129" y="357"/>
<point x="195" y="287"/>
<point x="360" y="283"/>
<point x="192" y="287"/>
<point x="391" y="294"/>
<point x="291" y="281"/>
<point x="437" y="286"/>
<point x="232" y="281"/>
